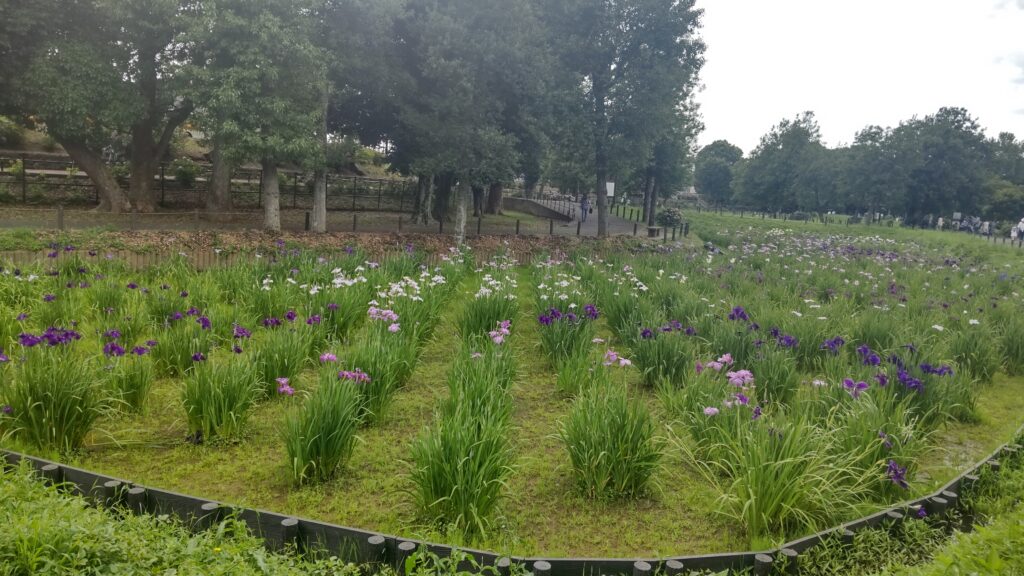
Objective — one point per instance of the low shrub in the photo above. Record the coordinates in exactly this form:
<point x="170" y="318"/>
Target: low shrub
<point x="55" y="397"/>
<point x="669" y="217"/>
<point x="218" y="396"/>
<point x="611" y="443"/>
<point x="459" y="470"/>
<point x="282" y="353"/>
<point x="320" y="436"/>
<point x="130" y="380"/>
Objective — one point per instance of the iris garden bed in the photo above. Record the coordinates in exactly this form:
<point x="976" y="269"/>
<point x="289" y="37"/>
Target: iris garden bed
<point x="794" y="381"/>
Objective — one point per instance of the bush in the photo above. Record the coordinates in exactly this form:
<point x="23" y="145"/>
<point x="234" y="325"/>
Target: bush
<point x="611" y="443"/>
<point x="11" y="134"/>
<point x="185" y="172"/>
<point x="669" y="218"/>
<point x="320" y="436"/>
<point x="55" y="398"/>
<point x="218" y="396"/>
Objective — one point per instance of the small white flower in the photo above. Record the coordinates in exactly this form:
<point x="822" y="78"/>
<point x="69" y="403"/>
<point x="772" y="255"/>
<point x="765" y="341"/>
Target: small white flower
<point x="937" y="327"/>
<point x="973" y="322"/>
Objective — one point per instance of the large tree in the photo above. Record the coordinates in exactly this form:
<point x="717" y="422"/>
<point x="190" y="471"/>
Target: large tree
<point x="948" y="158"/>
<point x="255" y="56"/>
<point x="634" y="63"/>
<point x="456" y="60"/>
<point x="108" y="69"/>
<point x="714" y="170"/>
<point x="770" y="179"/>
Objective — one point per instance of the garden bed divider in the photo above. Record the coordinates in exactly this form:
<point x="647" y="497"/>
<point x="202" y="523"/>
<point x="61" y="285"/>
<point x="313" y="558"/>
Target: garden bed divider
<point x="365" y="547"/>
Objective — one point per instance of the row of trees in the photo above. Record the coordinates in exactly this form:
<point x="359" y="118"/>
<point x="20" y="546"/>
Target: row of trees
<point x="466" y="95"/>
<point x="936" y="165"/>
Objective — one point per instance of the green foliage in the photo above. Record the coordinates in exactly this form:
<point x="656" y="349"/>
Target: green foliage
<point x="55" y="397"/>
<point x="388" y="360"/>
<point x="178" y="345"/>
<point x="320" y="436"/>
<point x="460" y="465"/>
<point x="53" y="532"/>
<point x="1011" y="343"/>
<point x="130" y="380"/>
<point x="218" y="395"/>
<point x="11" y="134"/>
<point x="282" y="353"/>
<point x="975" y="354"/>
<point x="669" y="218"/>
<point x="566" y="337"/>
<point x="185" y="172"/>
<point x="611" y="443"/>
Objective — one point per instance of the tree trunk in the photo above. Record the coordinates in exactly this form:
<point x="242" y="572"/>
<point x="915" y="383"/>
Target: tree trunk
<point x="319" y="219"/>
<point x="442" y="195"/>
<point x="648" y="185"/>
<point x="140" y="186"/>
<point x="652" y="203"/>
<point x="423" y="200"/>
<point x="271" y="192"/>
<point x="599" y="92"/>
<point x="495" y="198"/>
<point x="219" y="197"/>
<point x="466" y="195"/>
<point x="110" y="192"/>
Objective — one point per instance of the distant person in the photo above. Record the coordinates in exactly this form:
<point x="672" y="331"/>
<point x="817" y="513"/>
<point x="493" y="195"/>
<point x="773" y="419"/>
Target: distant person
<point x="939" y="223"/>
<point x="584" y="208"/>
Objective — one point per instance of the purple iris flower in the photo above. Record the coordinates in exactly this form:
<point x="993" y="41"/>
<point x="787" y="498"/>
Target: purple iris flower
<point x="113" y="349"/>
<point x="854" y="388"/>
<point x="897" y="473"/>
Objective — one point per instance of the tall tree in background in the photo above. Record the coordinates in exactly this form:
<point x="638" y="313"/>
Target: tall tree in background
<point x="948" y="159"/>
<point x="107" y="69"/>
<point x="714" y="170"/>
<point x="770" y="176"/>
<point x="626" y="57"/>
<point x="456" y="61"/>
<point x="255" y="57"/>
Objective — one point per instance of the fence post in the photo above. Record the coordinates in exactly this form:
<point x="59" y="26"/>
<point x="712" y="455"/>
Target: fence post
<point x="307" y="221"/>
<point x="295" y="190"/>
<point x="380" y="190"/>
<point x="355" y="221"/>
<point x="60" y="216"/>
<point x="551" y="227"/>
<point x="517" y="226"/>
<point x="163" y="191"/>
<point x="686" y="230"/>
<point x="353" y="193"/>
<point x="24" y="178"/>
<point x="634" y="228"/>
<point x="579" y="226"/>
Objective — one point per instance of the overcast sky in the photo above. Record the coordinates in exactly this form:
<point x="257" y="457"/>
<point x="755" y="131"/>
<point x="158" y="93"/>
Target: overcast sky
<point x="859" y="63"/>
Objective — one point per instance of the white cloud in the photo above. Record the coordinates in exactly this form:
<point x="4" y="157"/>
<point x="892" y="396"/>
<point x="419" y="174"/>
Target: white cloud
<point x="858" y="63"/>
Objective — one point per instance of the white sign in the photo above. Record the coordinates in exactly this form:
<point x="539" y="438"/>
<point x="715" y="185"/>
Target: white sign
<point x="611" y="188"/>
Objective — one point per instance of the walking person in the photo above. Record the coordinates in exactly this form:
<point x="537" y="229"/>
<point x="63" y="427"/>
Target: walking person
<point x="584" y="208"/>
